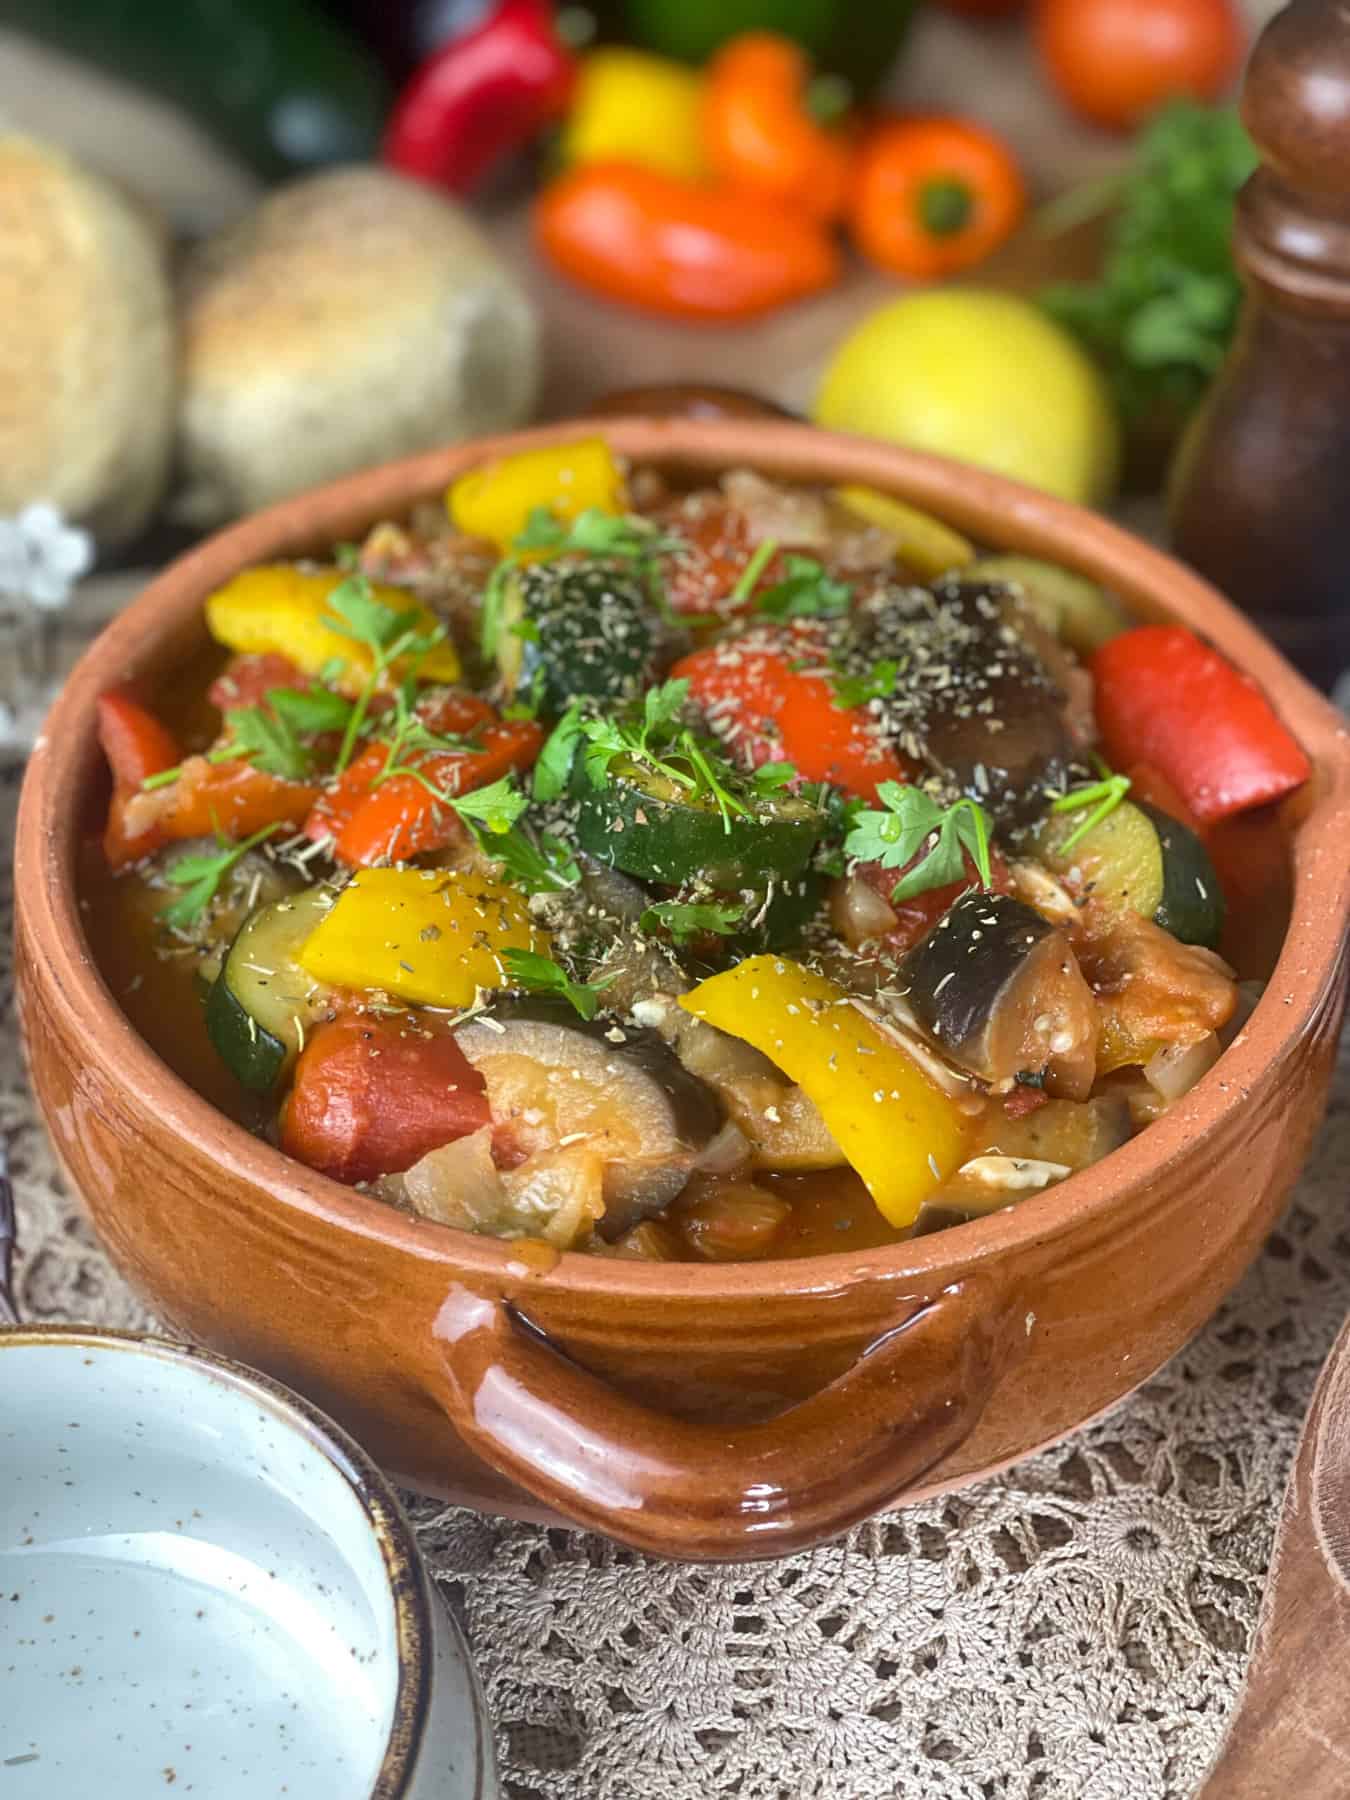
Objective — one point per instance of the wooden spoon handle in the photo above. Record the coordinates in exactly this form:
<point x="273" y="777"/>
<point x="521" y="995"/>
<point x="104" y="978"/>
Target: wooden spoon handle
<point x="1290" y="1737"/>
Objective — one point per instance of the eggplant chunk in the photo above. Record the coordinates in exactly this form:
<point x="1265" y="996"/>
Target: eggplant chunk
<point x="554" y="1080"/>
<point x="1000" y="990"/>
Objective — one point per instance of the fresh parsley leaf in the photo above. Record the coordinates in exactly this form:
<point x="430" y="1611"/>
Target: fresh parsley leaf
<point x="312" y="709"/>
<point x="554" y="767"/>
<point x="529" y="707"/>
<point x="595" y="532"/>
<point x="915" y="830"/>
<point x="544" y="976"/>
<point x="806" y="591"/>
<point x="268" y="742"/>
<point x="1161" y="314"/>
<point x="496" y="806"/>
<point x="664" y="705"/>
<point x="769" y="777"/>
<point x="1099" y="799"/>
<point x="763" y="555"/>
<point x="539" y="862"/>
<point x="857" y="690"/>
<point x="347" y="557"/>
<point x="200" y="876"/>
<point x="690" y="919"/>
<point x="369" y="621"/>
<point x="543" y="530"/>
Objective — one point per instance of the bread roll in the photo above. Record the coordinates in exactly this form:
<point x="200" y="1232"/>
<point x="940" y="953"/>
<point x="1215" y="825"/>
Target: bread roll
<point x="352" y="317"/>
<point x="87" y="348"/>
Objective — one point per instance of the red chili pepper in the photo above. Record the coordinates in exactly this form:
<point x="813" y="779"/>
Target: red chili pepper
<point x="481" y="97"/>
<point x="371" y="1098"/>
<point x="767" y="710"/>
<point x="678" y="247"/>
<point x="1164" y="697"/>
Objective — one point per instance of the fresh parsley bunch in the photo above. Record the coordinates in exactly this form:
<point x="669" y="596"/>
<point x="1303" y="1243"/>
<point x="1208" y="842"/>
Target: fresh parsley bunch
<point x="1161" y="315"/>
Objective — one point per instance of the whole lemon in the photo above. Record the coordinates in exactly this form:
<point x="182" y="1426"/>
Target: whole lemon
<point x="981" y="376"/>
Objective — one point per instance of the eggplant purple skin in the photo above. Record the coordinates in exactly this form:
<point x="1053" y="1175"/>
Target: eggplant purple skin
<point x="955" y="978"/>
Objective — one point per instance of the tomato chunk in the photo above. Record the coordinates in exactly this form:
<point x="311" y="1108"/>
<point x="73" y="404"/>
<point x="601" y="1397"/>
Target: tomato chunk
<point x="247" y="680"/>
<point x="373" y="1095"/>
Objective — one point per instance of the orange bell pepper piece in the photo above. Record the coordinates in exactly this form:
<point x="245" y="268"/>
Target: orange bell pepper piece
<point x="758" y="130"/>
<point x="678" y="248"/>
<point x="933" y="196"/>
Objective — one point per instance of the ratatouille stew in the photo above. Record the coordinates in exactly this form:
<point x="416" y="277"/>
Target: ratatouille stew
<point x="687" y="873"/>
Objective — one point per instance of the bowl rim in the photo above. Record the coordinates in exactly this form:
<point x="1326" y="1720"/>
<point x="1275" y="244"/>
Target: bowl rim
<point x="990" y="508"/>
<point x="404" y="1574"/>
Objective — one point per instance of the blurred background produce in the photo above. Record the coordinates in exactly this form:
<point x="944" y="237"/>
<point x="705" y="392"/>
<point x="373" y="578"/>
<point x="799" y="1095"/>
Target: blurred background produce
<point x="735" y="194"/>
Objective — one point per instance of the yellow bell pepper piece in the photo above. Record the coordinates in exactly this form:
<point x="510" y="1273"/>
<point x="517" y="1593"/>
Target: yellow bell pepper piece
<point x="901" y="1133"/>
<point x="925" y="543"/>
<point x="283" y="609"/>
<point x="495" y="502"/>
<point x="428" y="935"/>
<point x="631" y="107"/>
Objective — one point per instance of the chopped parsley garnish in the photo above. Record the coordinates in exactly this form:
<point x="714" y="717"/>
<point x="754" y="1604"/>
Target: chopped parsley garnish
<point x="877" y="683"/>
<point x="595" y="533"/>
<point x="763" y="555"/>
<point x="662" y="742"/>
<point x="554" y="766"/>
<point x="807" y="591"/>
<point x="200" y="876"/>
<point x="410" y="735"/>
<point x="496" y="807"/>
<point x="388" y="635"/>
<point x="915" y="826"/>
<point x="544" y="976"/>
<point x="1099" y="799"/>
<point x="691" y="919"/>
<point x="539" y="862"/>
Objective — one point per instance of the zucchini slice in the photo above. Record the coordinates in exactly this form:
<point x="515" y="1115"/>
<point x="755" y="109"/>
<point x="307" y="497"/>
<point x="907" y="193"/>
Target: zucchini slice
<point x="1140" y="860"/>
<point x="999" y="989"/>
<point x="259" y="1005"/>
<point x="576" y="633"/>
<point x="642" y="822"/>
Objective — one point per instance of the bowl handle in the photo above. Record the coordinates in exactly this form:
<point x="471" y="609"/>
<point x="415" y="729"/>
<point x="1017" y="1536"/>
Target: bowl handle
<point x="677" y="1488"/>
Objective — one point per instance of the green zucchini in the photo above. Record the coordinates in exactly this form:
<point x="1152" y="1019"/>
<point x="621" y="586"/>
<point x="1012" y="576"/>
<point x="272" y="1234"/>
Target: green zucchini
<point x="1081" y="614"/>
<point x="642" y="822"/>
<point x="1141" y="860"/>
<point x="258" y="1007"/>
<point x="576" y="632"/>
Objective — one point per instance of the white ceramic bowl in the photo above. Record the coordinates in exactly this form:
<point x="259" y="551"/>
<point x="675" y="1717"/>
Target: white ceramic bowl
<point x="207" y="1588"/>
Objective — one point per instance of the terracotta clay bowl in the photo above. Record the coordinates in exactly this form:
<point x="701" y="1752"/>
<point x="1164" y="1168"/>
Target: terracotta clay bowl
<point x="692" y="1411"/>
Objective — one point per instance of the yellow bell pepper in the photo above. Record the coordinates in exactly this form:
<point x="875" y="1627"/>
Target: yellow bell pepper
<point x="495" y="502"/>
<point x="283" y="609"/>
<point x="631" y="107"/>
<point x="429" y="935"/>
<point x="925" y="543"/>
<point x="901" y="1133"/>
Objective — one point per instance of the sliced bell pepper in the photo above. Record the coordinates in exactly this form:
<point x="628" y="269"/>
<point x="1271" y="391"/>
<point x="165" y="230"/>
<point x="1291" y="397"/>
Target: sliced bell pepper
<point x="495" y="502"/>
<point x="767" y="710"/>
<point x="899" y="1131"/>
<point x="402" y="817"/>
<point x="282" y="610"/>
<point x="372" y="1096"/>
<point x="1166" y="698"/>
<point x="137" y="746"/>
<point x="427" y="935"/>
<point x="231" y="799"/>
<point x="926" y="544"/>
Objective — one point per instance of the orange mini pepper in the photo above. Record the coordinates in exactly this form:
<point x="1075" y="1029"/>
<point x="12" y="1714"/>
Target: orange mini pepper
<point x="933" y="196"/>
<point x="759" y="132"/>
<point x="675" y="247"/>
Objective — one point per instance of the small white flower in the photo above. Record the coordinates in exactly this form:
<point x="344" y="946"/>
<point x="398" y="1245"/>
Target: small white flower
<point x="41" y="557"/>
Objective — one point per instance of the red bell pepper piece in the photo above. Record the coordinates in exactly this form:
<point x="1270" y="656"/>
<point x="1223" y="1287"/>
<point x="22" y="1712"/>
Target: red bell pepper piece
<point x="372" y="1097"/>
<point x="766" y="710"/>
<point x="482" y="96"/>
<point x="136" y="746"/>
<point x="247" y="680"/>
<point x="1166" y="698"/>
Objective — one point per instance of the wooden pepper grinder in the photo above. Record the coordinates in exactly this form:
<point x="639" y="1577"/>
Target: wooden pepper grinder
<point x="1260" y="499"/>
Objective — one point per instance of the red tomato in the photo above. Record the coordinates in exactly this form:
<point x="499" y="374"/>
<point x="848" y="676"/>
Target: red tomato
<point x="372" y="1097"/>
<point x="1114" y="61"/>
